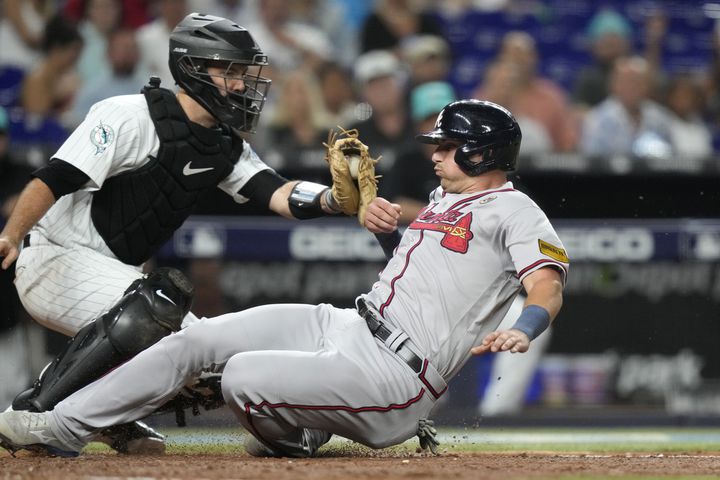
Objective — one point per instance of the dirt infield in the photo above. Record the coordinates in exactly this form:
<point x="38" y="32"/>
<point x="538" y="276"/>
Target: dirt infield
<point x="457" y="466"/>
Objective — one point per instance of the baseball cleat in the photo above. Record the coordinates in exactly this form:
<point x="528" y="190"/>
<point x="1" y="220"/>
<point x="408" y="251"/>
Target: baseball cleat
<point x="312" y="440"/>
<point x="30" y="431"/>
<point x="256" y="448"/>
<point x="134" y="438"/>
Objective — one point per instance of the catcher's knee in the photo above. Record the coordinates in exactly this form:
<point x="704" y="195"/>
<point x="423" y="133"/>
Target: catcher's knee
<point x="151" y="308"/>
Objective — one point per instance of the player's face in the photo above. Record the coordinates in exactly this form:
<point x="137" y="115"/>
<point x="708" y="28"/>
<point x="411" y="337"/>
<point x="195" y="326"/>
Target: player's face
<point x="452" y="178"/>
<point x="228" y="78"/>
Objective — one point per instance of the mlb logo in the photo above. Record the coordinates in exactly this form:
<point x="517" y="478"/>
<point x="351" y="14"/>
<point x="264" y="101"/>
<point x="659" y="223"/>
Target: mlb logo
<point x="200" y="241"/>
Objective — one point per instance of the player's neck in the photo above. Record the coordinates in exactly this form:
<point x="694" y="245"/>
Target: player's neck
<point x="194" y="111"/>
<point x="486" y="181"/>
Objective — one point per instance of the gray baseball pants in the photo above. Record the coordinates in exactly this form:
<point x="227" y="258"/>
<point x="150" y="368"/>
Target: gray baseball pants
<point x="286" y="368"/>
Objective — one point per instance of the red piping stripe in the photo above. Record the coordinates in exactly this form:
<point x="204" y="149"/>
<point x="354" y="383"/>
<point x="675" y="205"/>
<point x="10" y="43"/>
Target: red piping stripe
<point x="539" y="262"/>
<point x="344" y="408"/>
<point x="427" y="384"/>
<point x="399" y="275"/>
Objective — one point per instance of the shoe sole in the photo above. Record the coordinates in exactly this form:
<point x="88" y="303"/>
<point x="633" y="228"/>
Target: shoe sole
<point x="40" y="448"/>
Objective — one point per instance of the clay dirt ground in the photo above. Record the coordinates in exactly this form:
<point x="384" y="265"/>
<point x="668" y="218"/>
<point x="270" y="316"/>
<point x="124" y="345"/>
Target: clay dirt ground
<point x="454" y="465"/>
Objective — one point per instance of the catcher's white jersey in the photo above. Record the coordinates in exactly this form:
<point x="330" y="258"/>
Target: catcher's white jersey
<point x="68" y="275"/>
<point x="117" y="135"/>
<point x="459" y="266"/>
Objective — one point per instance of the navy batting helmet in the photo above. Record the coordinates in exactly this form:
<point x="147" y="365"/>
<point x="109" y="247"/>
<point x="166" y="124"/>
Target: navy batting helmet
<point x="483" y="128"/>
<point x="200" y="41"/>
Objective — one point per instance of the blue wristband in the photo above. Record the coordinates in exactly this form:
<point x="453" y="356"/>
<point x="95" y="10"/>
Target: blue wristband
<point x="533" y="320"/>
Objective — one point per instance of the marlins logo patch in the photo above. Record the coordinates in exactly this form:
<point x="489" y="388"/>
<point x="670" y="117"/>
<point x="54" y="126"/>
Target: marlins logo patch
<point x="553" y="252"/>
<point x="102" y="136"/>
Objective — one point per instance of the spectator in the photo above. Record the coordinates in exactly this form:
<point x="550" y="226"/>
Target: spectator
<point x="502" y="86"/>
<point x="154" y="60"/>
<point x="628" y="122"/>
<point x="298" y="129"/>
<point x="122" y="79"/>
<point x="241" y="11"/>
<point x="135" y="13"/>
<point x="14" y="354"/>
<point x="288" y="44"/>
<point x="690" y="136"/>
<point x="337" y="92"/>
<point x="48" y="90"/>
<point x="654" y="33"/>
<point x="13" y="175"/>
<point x="536" y="98"/>
<point x="412" y="175"/>
<point x="329" y="16"/>
<point x="391" y="22"/>
<point x="100" y="19"/>
<point x="610" y="35"/>
<point x="21" y="31"/>
<point x="428" y="59"/>
<point x="381" y="83"/>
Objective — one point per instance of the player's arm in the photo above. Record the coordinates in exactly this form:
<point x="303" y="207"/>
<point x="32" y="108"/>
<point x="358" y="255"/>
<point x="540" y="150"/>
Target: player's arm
<point x="381" y="218"/>
<point x="295" y="199"/>
<point x="303" y="200"/>
<point x="34" y="201"/>
<point x="51" y="182"/>
<point x="544" y="300"/>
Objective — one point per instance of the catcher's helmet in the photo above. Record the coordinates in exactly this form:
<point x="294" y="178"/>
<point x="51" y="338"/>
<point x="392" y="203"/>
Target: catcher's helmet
<point x="200" y="41"/>
<point x="484" y="128"/>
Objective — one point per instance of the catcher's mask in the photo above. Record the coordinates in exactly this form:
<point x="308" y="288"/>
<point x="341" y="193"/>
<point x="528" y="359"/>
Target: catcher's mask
<point x="201" y="41"/>
<point x="482" y="128"/>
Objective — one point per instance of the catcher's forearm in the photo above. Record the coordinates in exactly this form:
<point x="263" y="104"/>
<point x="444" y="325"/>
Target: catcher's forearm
<point x="310" y="200"/>
<point x="389" y="242"/>
<point x="35" y="200"/>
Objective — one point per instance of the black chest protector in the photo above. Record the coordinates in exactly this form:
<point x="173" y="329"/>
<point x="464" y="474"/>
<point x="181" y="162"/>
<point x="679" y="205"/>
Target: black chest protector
<point x="137" y="211"/>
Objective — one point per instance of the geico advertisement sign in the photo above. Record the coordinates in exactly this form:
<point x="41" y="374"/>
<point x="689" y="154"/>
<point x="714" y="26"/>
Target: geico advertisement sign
<point x="599" y="244"/>
<point x="333" y="243"/>
<point x="608" y="244"/>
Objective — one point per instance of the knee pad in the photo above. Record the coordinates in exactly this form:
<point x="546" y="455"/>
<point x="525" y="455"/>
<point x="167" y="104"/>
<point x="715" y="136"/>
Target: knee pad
<point x="151" y="308"/>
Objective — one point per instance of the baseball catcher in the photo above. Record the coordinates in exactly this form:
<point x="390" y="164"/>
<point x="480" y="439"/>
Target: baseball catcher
<point x="353" y="173"/>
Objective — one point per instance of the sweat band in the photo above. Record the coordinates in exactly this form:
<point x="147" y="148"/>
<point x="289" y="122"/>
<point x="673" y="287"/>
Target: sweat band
<point x="533" y="320"/>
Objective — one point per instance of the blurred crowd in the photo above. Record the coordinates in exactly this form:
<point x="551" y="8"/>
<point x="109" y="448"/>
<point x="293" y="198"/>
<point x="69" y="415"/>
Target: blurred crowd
<point x="385" y="67"/>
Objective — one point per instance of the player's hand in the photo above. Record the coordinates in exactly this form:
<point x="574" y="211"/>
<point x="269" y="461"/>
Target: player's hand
<point x="9" y="250"/>
<point x="382" y="216"/>
<point x="511" y="340"/>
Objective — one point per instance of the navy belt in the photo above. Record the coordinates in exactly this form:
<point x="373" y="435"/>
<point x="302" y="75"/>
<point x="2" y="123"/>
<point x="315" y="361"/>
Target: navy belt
<point x="379" y="330"/>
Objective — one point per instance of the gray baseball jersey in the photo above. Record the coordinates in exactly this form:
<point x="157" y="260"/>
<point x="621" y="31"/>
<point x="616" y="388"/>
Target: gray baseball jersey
<point x="460" y="265"/>
<point x="69" y="275"/>
<point x="290" y="368"/>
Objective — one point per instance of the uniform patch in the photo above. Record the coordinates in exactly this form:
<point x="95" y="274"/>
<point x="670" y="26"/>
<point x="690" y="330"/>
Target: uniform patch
<point x="102" y="136"/>
<point x="553" y="252"/>
<point x="455" y="229"/>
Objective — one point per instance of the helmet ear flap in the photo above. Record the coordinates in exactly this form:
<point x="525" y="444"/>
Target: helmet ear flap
<point x="473" y="169"/>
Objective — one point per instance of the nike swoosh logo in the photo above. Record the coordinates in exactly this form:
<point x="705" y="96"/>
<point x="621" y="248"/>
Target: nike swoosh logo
<point x="161" y="294"/>
<point x="187" y="170"/>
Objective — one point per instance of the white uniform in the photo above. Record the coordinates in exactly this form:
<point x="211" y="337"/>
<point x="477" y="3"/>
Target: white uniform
<point x="291" y="369"/>
<point x="68" y="275"/>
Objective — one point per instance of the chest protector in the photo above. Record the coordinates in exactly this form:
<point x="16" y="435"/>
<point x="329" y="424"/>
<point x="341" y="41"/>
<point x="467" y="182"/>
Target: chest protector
<point x="137" y="212"/>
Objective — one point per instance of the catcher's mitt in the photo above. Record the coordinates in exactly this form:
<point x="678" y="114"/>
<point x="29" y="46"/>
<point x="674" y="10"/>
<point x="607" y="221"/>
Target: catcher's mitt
<point x="353" y="172"/>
